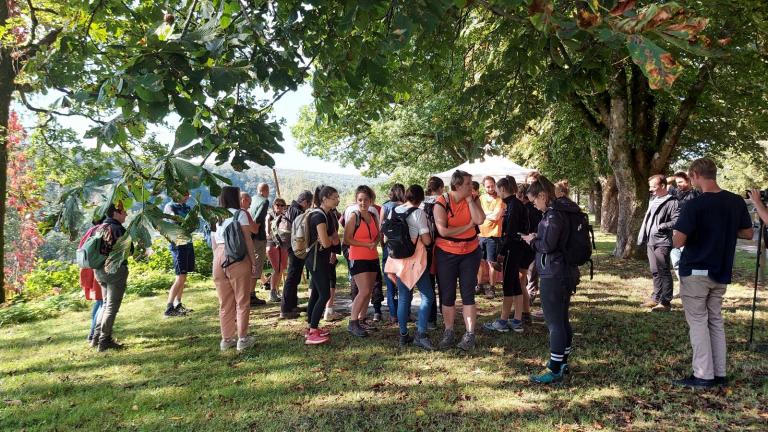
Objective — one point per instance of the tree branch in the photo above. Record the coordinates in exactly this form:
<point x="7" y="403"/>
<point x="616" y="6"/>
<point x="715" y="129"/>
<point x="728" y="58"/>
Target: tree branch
<point x="33" y="20"/>
<point x="25" y="102"/>
<point x="680" y="122"/>
<point x="188" y="21"/>
<point x="32" y="49"/>
<point x="499" y="12"/>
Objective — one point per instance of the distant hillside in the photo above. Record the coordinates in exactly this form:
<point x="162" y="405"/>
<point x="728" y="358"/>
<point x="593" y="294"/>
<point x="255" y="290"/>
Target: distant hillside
<point x="292" y="182"/>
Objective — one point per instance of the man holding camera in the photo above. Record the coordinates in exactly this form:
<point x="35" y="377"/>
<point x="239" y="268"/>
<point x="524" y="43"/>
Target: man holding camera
<point x="656" y="232"/>
<point x="708" y="227"/>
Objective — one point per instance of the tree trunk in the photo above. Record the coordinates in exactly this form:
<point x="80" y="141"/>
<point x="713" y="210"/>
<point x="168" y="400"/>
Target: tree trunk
<point x="623" y="164"/>
<point x="7" y="76"/>
<point x="596" y="201"/>
<point x="609" y="209"/>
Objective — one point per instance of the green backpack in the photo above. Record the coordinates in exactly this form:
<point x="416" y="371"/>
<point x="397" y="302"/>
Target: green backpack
<point x="89" y="255"/>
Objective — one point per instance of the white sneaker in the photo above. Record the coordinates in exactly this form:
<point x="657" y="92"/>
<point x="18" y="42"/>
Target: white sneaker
<point x="245" y="343"/>
<point x="226" y="344"/>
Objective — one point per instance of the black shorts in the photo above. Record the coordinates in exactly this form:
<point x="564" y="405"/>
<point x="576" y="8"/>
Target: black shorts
<point x="453" y="267"/>
<point x="489" y="247"/>
<point x="511" y="283"/>
<point x="363" y="266"/>
<point x="183" y="258"/>
<point x="527" y="258"/>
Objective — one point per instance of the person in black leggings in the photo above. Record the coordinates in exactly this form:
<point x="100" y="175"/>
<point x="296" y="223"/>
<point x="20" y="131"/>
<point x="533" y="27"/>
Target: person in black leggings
<point x="558" y="279"/>
<point x="321" y="239"/>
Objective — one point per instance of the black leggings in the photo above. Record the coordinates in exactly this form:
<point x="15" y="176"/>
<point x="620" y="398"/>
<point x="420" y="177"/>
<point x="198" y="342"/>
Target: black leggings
<point x="320" y="285"/>
<point x="453" y="267"/>
<point x="556" y="301"/>
<point x="511" y="283"/>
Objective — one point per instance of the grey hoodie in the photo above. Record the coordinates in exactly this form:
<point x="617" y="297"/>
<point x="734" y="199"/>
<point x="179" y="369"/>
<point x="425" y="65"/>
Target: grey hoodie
<point x="550" y="239"/>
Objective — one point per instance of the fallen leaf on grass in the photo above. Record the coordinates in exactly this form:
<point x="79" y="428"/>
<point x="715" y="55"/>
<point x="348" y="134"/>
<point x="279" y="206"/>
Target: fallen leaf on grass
<point x="13" y="402"/>
<point x="597" y="425"/>
<point x="420" y="413"/>
<point x="299" y="387"/>
<point x="320" y="381"/>
<point x="209" y="415"/>
<point x="135" y="407"/>
<point x="175" y="418"/>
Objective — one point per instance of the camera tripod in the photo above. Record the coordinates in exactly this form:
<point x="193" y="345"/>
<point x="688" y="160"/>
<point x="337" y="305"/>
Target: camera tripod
<point x="759" y="347"/>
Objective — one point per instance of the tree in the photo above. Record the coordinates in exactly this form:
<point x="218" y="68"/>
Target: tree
<point x="647" y="77"/>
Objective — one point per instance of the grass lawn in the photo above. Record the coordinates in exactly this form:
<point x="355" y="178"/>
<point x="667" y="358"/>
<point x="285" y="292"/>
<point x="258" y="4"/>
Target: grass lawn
<point x="172" y="375"/>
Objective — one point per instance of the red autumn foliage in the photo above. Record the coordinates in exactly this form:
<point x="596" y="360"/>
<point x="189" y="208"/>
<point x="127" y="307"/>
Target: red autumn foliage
<point x="21" y="247"/>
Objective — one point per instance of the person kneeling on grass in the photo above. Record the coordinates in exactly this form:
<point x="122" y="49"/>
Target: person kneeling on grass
<point x="413" y="271"/>
<point x="558" y="279"/>
<point x="513" y="249"/>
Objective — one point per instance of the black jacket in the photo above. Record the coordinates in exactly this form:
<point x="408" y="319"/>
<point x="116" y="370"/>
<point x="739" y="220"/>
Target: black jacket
<point x="294" y="210"/>
<point x="657" y="227"/>
<point x="551" y="237"/>
<point x="515" y="221"/>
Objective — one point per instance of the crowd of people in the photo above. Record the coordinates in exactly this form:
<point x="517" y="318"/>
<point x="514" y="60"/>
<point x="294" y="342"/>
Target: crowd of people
<point x="446" y="241"/>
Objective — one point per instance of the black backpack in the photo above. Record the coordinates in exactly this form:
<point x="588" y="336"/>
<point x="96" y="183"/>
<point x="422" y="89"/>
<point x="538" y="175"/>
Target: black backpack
<point x="395" y="229"/>
<point x="235" y="249"/>
<point x="580" y="242"/>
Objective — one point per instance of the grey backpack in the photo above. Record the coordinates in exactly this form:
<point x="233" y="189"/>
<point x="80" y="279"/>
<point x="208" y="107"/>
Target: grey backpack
<point x="235" y="249"/>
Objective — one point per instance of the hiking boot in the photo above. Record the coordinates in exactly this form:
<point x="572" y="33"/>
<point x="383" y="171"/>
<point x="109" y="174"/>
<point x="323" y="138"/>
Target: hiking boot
<point x="182" y="310"/>
<point x="497" y="326"/>
<point x="273" y="297"/>
<point x="467" y="342"/>
<point x="422" y="341"/>
<point x="109" y="344"/>
<point x="289" y="315"/>
<point x="515" y="325"/>
<point x="315" y="338"/>
<point x="447" y="341"/>
<point x="226" y="344"/>
<point x="367" y="327"/>
<point x="355" y="329"/>
<point x="661" y="308"/>
<point x="649" y="304"/>
<point x="245" y="343"/>
<point x="255" y="301"/>
<point x="405" y="339"/>
<point x="172" y="312"/>
<point x="377" y="317"/>
<point x="490" y="292"/>
<point x="693" y="382"/>
<point x="547" y="376"/>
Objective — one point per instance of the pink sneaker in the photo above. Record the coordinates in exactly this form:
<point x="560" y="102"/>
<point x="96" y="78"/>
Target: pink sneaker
<point x="316" y="338"/>
<point x="324" y="332"/>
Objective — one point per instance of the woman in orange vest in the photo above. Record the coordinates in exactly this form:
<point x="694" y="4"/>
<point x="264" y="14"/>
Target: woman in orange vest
<point x="457" y="255"/>
<point x="361" y="233"/>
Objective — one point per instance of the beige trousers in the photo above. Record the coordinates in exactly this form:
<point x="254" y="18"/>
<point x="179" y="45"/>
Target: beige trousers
<point x="233" y="286"/>
<point x="702" y="301"/>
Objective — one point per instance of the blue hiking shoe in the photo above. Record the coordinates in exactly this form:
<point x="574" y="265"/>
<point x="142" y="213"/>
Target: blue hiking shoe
<point x="547" y="377"/>
<point x="497" y="326"/>
<point x="516" y="326"/>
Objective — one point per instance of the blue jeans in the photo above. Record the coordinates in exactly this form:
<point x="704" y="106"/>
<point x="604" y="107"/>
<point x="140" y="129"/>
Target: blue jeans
<point x="95" y="311"/>
<point x="391" y="292"/>
<point x="404" y="306"/>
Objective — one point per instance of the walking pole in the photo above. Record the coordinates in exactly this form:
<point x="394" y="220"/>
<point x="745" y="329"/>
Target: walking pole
<point x="757" y="276"/>
<point x="277" y="183"/>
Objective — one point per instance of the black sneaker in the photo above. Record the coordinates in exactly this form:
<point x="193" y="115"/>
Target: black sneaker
<point x="95" y="339"/>
<point x="172" y="312"/>
<point x="255" y="301"/>
<point x="355" y="330"/>
<point x="109" y="344"/>
<point x="721" y="381"/>
<point x="405" y="339"/>
<point x="694" y="382"/>
<point x="182" y="310"/>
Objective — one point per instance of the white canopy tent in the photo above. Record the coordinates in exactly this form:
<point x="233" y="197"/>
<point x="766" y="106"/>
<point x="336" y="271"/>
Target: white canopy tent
<point x="494" y="166"/>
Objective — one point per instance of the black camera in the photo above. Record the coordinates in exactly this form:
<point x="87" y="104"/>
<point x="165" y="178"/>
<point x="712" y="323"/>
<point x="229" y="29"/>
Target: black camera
<point x="763" y="195"/>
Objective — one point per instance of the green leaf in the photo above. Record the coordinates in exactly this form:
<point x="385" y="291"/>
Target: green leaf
<point x="119" y="254"/>
<point x="185" y="107"/>
<point x="185" y="133"/>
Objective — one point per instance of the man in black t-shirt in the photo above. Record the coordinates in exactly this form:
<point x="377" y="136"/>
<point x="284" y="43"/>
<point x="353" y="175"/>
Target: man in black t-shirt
<point x="708" y="227"/>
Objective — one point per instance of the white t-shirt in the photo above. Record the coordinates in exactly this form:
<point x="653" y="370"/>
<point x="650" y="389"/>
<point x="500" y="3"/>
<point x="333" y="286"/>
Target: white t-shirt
<point x="219" y="234"/>
<point x="417" y="221"/>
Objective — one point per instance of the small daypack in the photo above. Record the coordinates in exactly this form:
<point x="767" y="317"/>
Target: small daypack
<point x="578" y="247"/>
<point x="280" y="231"/>
<point x="300" y="234"/>
<point x="395" y="229"/>
<point x="235" y="249"/>
<point x="89" y="256"/>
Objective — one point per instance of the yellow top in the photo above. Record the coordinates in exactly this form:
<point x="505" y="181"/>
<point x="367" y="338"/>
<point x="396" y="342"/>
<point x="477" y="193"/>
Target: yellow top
<point x="494" y="216"/>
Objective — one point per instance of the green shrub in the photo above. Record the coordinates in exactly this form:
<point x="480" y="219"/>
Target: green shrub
<point x="203" y="257"/>
<point x="50" y="278"/>
<point x="28" y="311"/>
<point x="148" y="283"/>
